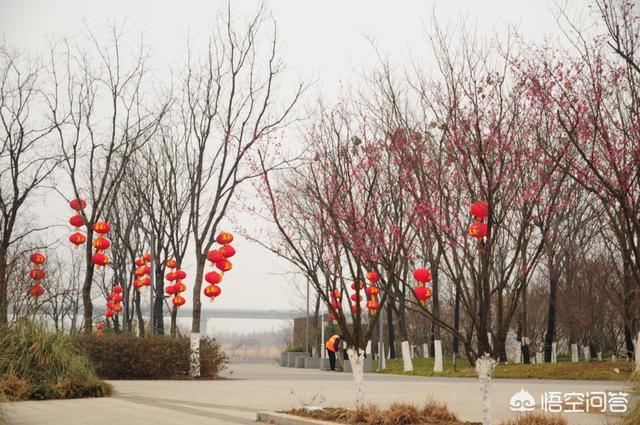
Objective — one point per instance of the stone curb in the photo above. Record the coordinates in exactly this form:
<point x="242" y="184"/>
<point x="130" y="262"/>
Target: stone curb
<point x="284" y="419"/>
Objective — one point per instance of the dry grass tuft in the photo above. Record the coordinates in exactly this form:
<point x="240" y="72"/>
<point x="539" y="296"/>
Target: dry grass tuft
<point x="536" y="419"/>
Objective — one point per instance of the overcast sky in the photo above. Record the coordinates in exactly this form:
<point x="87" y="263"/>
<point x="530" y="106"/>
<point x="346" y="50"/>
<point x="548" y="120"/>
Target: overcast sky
<point x="323" y="42"/>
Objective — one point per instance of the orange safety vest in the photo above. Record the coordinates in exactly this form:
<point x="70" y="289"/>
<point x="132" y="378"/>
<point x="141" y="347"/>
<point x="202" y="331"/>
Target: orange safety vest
<point x="331" y="344"/>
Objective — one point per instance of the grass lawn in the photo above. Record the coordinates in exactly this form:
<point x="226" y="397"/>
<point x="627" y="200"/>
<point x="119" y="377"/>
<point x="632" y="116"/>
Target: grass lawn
<point x="595" y="371"/>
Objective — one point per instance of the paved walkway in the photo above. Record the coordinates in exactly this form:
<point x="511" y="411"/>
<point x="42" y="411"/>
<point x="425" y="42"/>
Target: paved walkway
<point x="251" y="388"/>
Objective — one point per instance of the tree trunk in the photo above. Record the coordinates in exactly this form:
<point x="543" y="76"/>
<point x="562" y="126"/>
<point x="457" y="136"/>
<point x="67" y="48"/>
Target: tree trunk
<point x="139" y="313"/>
<point x="550" y="334"/>
<point x="158" y="307"/>
<point x="174" y="321"/>
<point x="627" y="309"/>
<point x="4" y="304"/>
<point x="526" y="353"/>
<point x="88" y="282"/>
<point x="456" y="322"/>
<point x="392" y="337"/>
<point x="197" y="304"/>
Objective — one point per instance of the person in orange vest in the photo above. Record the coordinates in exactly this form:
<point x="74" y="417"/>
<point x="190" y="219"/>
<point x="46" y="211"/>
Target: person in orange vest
<point x="334" y="345"/>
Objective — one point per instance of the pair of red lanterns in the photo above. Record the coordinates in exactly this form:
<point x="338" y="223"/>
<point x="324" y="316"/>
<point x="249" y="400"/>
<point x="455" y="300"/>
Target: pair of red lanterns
<point x="37" y="274"/>
<point x="99" y="329"/>
<point x="142" y="272"/>
<point x="177" y="288"/>
<point x="220" y="259"/>
<point x="114" y="301"/>
<point x="479" y="211"/>
<point x="422" y="292"/>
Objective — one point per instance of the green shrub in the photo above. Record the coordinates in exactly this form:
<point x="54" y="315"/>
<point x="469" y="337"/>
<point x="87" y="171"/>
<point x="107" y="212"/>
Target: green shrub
<point x="158" y="357"/>
<point x="294" y="349"/>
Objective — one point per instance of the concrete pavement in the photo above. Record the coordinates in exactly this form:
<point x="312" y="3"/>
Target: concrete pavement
<point x="251" y="388"/>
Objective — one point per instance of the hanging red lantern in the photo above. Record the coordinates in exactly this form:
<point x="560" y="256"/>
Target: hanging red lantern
<point x="214" y="256"/>
<point x="145" y="281"/>
<point x="117" y="289"/>
<point x="478" y="230"/>
<point x="333" y="317"/>
<point x="422" y="275"/>
<point x="37" y="274"/>
<point x="179" y="287"/>
<point x="213" y="278"/>
<point x="372" y="291"/>
<point x="100" y="333"/>
<point x="137" y="284"/>
<point x="373" y="305"/>
<point x="212" y="291"/>
<point x="146" y="270"/>
<point x="480" y="210"/>
<point x="171" y="263"/>
<point x="77" y="238"/>
<point x="36" y="290"/>
<point x="140" y="262"/>
<point x="76" y="221"/>
<point x="227" y="251"/>
<point x="336" y="304"/>
<point x="224" y="238"/>
<point x="181" y="274"/>
<point x="117" y="298"/>
<point x="99" y="259"/>
<point x="110" y="313"/>
<point x="117" y="308"/>
<point x="101" y="243"/>
<point x="38" y="258"/>
<point x="101" y="227"/>
<point x="356" y="297"/>
<point x="99" y="326"/>
<point x="147" y="257"/>
<point x="78" y="204"/>
<point x="224" y="265"/>
<point x="356" y="308"/>
<point x="139" y="272"/>
<point x="178" y="300"/>
<point x="422" y="293"/>
<point x="359" y="287"/>
<point x="171" y="276"/>
<point x="336" y="294"/>
<point x="170" y="290"/>
<point x="372" y="277"/>
<point x="110" y="305"/>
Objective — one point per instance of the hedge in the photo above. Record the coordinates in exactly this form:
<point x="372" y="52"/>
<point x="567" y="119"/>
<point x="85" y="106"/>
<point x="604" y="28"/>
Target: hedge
<point x="158" y="357"/>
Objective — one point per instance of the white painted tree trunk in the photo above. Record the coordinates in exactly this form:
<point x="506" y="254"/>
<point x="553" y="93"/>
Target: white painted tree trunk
<point x="356" y="357"/>
<point x="587" y="353"/>
<point x="368" y="349"/>
<point x="406" y="357"/>
<point x="425" y="351"/>
<point x="637" y="352"/>
<point x="485" y="366"/>
<point x="383" y="360"/>
<point x="599" y="356"/>
<point x="438" y="366"/>
<point x="574" y="353"/>
<point x="539" y="358"/>
<point x="613" y="358"/>
<point x="195" y="354"/>
<point x="554" y="353"/>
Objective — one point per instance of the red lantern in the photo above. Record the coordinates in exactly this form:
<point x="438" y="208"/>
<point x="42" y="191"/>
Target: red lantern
<point x="36" y="290"/>
<point x="146" y="270"/>
<point x="117" y="308"/>
<point x="110" y="313"/>
<point x="213" y="278"/>
<point x="356" y="298"/>
<point x="117" y="289"/>
<point x="171" y="263"/>
<point x="373" y="305"/>
<point x="38" y="258"/>
<point x="140" y="262"/>
<point x="138" y="284"/>
<point x="478" y="230"/>
<point x="100" y="333"/>
<point x="102" y="227"/>
<point x="179" y="287"/>
<point x="101" y="243"/>
<point x="37" y="274"/>
<point x="336" y="294"/>
<point x="117" y="298"/>
<point x="76" y="220"/>
<point x="372" y="277"/>
<point x="147" y="257"/>
<point x="214" y="256"/>
<point x="336" y="304"/>
<point x="422" y="275"/>
<point x="372" y="291"/>
<point x="480" y="210"/>
<point x="422" y="293"/>
<point x="110" y="305"/>
<point x="178" y="300"/>
<point x="333" y="317"/>
<point x="99" y="259"/>
<point x="99" y="326"/>
<point x="359" y="287"/>
<point x="212" y="291"/>
<point x="77" y="238"/>
<point x="181" y="274"/>
<point x="227" y="251"/>
<point x="170" y="290"/>
<point x="224" y="265"/>
<point x="171" y="276"/>
<point x="356" y="308"/>
<point x="224" y="238"/>
<point x="145" y="281"/>
<point x="139" y="272"/>
<point x="78" y="204"/>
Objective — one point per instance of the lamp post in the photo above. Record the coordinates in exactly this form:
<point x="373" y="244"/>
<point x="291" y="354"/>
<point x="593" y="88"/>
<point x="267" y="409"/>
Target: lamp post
<point x="150" y="238"/>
